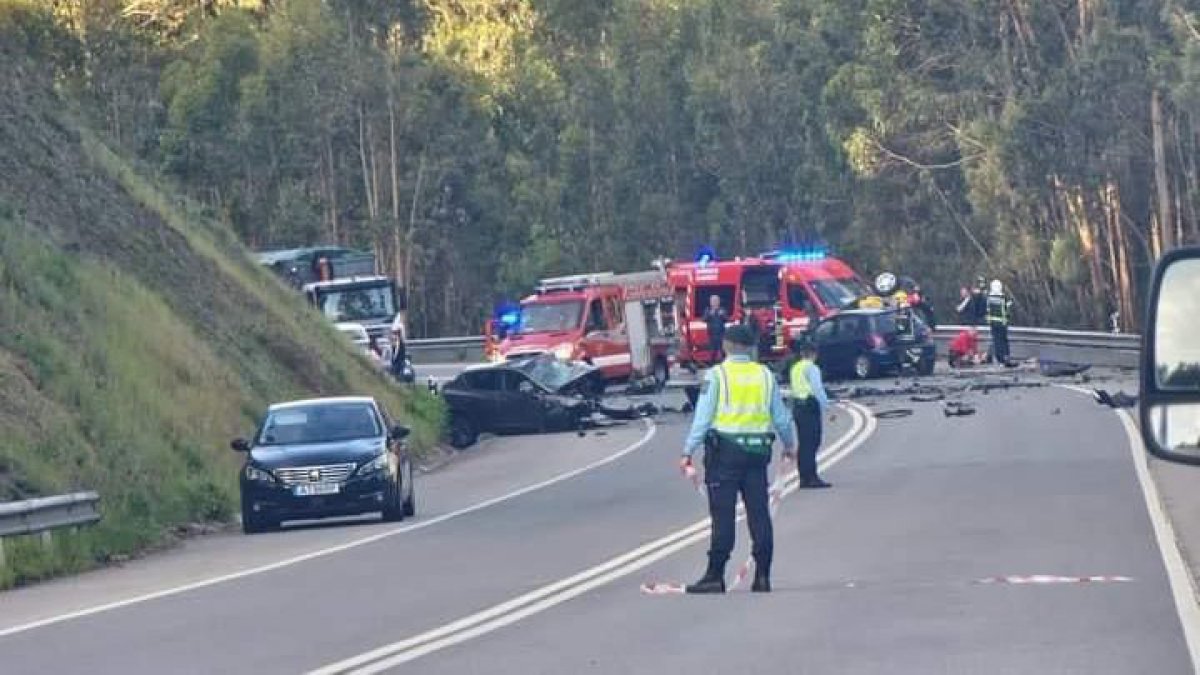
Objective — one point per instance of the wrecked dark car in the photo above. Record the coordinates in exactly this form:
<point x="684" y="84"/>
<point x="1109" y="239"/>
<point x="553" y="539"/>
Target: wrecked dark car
<point x="533" y="395"/>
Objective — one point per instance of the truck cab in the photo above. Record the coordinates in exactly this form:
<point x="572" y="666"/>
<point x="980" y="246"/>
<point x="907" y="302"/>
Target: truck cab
<point x="370" y="301"/>
<point x="781" y="294"/>
<point x="584" y="318"/>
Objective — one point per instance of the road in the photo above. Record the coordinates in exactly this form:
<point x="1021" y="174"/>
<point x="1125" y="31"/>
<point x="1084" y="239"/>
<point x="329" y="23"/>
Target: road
<point x="528" y="554"/>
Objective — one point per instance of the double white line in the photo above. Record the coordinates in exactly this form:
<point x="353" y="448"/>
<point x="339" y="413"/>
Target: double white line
<point x="507" y="613"/>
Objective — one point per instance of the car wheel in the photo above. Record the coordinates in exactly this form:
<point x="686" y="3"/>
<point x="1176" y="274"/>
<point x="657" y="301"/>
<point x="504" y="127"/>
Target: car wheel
<point x="393" y="504"/>
<point x="661" y="373"/>
<point x="463" y="433"/>
<point x="410" y="502"/>
<point x="863" y="368"/>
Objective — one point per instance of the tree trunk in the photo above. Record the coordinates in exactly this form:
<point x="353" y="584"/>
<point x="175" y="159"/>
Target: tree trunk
<point x="362" y="156"/>
<point x="334" y="212"/>
<point x="1166" y="221"/>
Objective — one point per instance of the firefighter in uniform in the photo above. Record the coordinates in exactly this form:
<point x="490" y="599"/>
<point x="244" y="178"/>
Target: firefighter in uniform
<point x="809" y="404"/>
<point x="738" y="408"/>
<point x="999" y="305"/>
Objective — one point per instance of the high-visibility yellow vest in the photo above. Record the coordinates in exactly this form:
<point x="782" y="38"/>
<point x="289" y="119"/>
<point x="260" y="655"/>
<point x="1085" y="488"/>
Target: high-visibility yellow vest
<point x="745" y="405"/>
<point x="801" y="387"/>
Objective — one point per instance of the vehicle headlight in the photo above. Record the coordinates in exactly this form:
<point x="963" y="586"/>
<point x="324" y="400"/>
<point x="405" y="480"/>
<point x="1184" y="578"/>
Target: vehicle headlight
<point x="565" y="351"/>
<point x="257" y="475"/>
<point x="376" y="465"/>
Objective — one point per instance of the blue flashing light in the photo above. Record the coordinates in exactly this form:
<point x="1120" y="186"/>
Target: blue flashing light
<point x="510" y="318"/>
<point x="815" y="254"/>
<point x="706" y="255"/>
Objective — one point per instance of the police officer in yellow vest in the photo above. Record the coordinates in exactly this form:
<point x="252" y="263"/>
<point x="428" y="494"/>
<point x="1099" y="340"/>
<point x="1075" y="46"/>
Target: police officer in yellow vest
<point x="809" y="403"/>
<point x="738" y="408"/>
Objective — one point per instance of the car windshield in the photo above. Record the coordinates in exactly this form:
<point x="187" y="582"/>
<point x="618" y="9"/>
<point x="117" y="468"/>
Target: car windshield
<point x="551" y="373"/>
<point x="358" y="304"/>
<point x="838" y="293"/>
<point x="319" y="423"/>
<point x="549" y="317"/>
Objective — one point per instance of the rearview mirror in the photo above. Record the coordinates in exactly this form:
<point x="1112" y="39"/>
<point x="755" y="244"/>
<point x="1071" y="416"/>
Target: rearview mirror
<point x="1169" y="401"/>
<point x="240" y="445"/>
<point x="399" y="432"/>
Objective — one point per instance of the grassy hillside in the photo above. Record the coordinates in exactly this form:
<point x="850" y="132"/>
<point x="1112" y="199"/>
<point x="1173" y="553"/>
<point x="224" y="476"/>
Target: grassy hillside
<point x="136" y="336"/>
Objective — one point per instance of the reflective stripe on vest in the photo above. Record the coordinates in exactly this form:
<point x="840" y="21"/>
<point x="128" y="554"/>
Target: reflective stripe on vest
<point x="801" y="387"/>
<point x="745" y="406"/>
<point x="997" y="309"/>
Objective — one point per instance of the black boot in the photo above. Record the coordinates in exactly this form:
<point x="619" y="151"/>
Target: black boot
<point x="712" y="582"/>
<point x="762" y="582"/>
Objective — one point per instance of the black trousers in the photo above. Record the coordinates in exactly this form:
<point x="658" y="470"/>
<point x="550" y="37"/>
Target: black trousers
<point x="807" y="415"/>
<point x="728" y="472"/>
<point x="1000" y="342"/>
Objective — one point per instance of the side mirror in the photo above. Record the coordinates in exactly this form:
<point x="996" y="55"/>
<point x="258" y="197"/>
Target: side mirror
<point x="399" y="432"/>
<point x="1169" y="396"/>
<point x="240" y="445"/>
<point x="525" y="387"/>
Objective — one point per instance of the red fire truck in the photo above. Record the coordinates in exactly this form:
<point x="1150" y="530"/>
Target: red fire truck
<point x="621" y="323"/>
<point x="778" y="292"/>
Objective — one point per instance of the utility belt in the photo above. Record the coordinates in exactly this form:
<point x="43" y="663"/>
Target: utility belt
<point x="804" y="405"/>
<point x="716" y="442"/>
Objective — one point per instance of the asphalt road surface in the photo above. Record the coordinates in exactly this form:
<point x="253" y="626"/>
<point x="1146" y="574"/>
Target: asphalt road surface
<point x="527" y="557"/>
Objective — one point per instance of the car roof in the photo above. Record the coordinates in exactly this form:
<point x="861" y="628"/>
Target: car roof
<point x="864" y="312"/>
<point x="332" y="400"/>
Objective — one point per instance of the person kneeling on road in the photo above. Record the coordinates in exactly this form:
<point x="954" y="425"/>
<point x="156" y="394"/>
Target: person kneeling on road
<point x="738" y="407"/>
<point x="809" y="404"/>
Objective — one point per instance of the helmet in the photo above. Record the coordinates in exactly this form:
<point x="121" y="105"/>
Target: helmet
<point x="885" y="283"/>
<point x="997" y="287"/>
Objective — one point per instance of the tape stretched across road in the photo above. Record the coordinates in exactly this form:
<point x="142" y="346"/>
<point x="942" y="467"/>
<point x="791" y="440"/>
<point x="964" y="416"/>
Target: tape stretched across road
<point x="507" y="613"/>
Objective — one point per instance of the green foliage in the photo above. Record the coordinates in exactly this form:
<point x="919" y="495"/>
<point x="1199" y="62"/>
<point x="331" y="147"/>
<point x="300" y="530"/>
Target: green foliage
<point x="136" y="338"/>
<point x="939" y="137"/>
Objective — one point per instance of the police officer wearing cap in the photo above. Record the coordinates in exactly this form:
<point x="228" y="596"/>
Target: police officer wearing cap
<point x="810" y="402"/>
<point x="738" y="408"/>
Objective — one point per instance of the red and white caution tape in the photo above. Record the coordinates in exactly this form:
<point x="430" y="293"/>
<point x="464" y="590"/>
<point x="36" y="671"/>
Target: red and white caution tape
<point x="776" y="498"/>
<point x="1052" y="579"/>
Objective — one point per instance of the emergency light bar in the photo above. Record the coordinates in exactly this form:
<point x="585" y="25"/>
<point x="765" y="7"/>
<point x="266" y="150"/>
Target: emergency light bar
<point x="573" y="283"/>
<point x="788" y="256"/>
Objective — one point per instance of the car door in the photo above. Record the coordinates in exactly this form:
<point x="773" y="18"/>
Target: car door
<point x="516" y="407"/>
<point x="477" y="396"/>
<point x="825" y="337"/>
<point x="597" y="343"/>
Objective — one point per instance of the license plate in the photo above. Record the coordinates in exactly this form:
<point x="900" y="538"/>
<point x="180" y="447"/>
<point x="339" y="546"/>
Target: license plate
<point x="313" y="489"/>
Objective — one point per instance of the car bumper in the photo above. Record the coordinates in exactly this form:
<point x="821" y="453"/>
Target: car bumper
<point x="363" y="495"/>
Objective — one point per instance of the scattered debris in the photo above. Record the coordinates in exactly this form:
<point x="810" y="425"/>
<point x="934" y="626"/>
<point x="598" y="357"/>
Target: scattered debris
<point x="927" y="398"/>
<point x="1062" y="369"/>
<point x="957" y="409"/>
<point x="895" y="413"/>
<point x="1117" y="400"/>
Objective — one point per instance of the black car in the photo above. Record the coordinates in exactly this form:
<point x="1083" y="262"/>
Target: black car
<point x="531" y="395"/>
<point x="325" y="457"/>
<point x="863" y="343"/>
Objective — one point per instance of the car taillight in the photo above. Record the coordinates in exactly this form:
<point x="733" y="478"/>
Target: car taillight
<point x="878" y="342"/>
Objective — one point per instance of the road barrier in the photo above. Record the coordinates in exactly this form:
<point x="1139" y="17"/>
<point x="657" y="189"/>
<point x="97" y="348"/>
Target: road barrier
<point x="1116" y="350"/>
<point x="1099" y="349"/>
<point x="46" y="514"/>
<point x="446" y="350"/>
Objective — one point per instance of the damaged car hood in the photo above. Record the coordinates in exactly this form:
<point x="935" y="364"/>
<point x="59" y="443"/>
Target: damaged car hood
<point x="555" y="376"/>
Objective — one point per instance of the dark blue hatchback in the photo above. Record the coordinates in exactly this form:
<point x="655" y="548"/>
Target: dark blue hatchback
<point x="865" y="343"/>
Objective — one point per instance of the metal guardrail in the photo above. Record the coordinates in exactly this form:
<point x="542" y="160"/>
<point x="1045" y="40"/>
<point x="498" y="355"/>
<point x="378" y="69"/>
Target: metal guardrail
<point x="1101" y="349"/>
<point x="1119" y="350"/>
<point x="35" y="516"/>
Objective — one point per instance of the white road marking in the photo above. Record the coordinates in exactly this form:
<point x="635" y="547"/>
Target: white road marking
<point x="651" y="430"/>
<point x="512" y="611"/>
<point x="1182" y="585"/>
